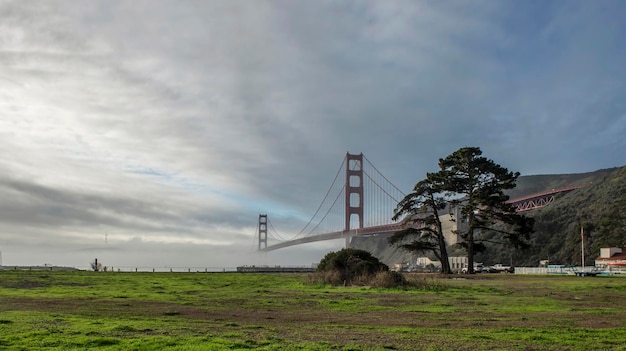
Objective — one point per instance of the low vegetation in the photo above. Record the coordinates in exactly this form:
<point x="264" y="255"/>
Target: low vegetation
<point x="243" y="311"/>
<point x="353" y="267"/>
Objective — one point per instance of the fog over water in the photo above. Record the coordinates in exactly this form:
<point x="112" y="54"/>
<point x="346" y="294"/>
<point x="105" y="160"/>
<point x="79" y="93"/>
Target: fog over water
<point x="159" y="256"/>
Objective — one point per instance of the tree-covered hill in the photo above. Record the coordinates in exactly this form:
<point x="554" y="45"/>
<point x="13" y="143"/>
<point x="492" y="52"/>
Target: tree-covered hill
<point x="600" y="208"/>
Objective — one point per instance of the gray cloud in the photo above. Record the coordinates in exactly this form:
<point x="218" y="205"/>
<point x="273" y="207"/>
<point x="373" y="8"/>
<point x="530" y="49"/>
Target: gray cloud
<point x="177" y="123"/>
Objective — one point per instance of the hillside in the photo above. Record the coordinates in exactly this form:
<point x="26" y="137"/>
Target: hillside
<point x="600" y="207"/>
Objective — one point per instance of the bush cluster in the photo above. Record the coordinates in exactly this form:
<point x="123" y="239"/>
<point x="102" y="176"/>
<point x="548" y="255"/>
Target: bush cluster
<point x="356" y="267"/>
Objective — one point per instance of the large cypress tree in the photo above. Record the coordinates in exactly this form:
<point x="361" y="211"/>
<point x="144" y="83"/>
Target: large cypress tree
<point x="476" y="186"/>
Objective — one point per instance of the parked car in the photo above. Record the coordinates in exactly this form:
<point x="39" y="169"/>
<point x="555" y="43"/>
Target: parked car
<point x="490" y="269"/>
<point x="499" y="268"/>
<point x="478" y="268"/>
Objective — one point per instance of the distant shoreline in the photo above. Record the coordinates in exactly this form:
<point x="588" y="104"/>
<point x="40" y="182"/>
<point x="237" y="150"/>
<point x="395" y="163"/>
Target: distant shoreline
<point x="120" y="269"/>
<point x="38" y="268"/>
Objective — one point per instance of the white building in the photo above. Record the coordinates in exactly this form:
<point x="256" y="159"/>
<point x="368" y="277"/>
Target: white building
<point x="612" y="259"/>
<point x="451" y="222"/>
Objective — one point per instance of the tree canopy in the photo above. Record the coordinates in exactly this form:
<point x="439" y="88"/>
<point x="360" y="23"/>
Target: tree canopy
<point x="475" y="186"/>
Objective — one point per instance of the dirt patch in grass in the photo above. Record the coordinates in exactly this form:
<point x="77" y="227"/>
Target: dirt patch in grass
<point x="576" y="316"/>
<point x="26" y="284"/>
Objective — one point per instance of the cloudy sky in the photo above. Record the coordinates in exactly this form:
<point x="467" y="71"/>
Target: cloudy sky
<point x="166" y="127"/>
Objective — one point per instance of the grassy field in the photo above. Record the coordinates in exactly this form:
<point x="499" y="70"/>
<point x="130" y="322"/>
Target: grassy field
<point x="233" y="311"/>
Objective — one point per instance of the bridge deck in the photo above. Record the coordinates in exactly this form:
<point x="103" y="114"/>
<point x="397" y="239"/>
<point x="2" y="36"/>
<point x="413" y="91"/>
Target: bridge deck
<point x="344" y="234"/>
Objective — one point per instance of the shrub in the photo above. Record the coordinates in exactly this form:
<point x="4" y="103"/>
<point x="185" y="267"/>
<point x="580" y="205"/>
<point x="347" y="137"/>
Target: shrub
<point x="355" y="267"/>
<point x="326" y="277"/>
<point x="381" y="279"/>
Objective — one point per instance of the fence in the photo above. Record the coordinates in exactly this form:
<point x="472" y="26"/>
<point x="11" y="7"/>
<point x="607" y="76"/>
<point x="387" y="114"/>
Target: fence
<point x="541" y="270"/>
<point x="589" y="270"/>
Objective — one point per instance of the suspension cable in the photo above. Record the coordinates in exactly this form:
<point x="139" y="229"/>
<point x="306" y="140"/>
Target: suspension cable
<point x="381" y="188"/>
<point x="330" y="209"/>
<point x="279" y="237"/>
<point x="388" y="181"/>
<point x="324" y="200"/>
<point x="254" y="238"/>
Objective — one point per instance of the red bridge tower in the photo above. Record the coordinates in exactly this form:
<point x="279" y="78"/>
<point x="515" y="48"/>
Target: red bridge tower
<point x="354" y="191"/>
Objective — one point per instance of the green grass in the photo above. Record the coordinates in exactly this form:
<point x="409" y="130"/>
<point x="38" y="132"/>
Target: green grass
<point x="231" y="311"/>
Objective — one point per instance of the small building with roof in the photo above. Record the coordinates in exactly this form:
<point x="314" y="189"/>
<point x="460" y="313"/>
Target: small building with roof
<point x="611" y="259"/>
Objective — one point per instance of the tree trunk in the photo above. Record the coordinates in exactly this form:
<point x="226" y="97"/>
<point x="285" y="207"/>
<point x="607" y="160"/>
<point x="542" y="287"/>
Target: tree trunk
<point x="443" y="250"/>
<point x="470" y="245"/>
<point x="470" y="254"/>
<point x="445" y="262"/>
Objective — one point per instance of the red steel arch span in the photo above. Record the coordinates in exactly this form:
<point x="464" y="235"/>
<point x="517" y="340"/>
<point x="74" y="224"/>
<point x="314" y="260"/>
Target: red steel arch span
<point x="539" y="200"/>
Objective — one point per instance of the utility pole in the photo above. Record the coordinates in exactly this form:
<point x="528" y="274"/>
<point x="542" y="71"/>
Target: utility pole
<point x="582" y="246"/>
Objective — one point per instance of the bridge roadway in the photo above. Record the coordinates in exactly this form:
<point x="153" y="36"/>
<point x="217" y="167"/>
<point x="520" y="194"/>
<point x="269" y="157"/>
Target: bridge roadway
<point x="346" y="234"/>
